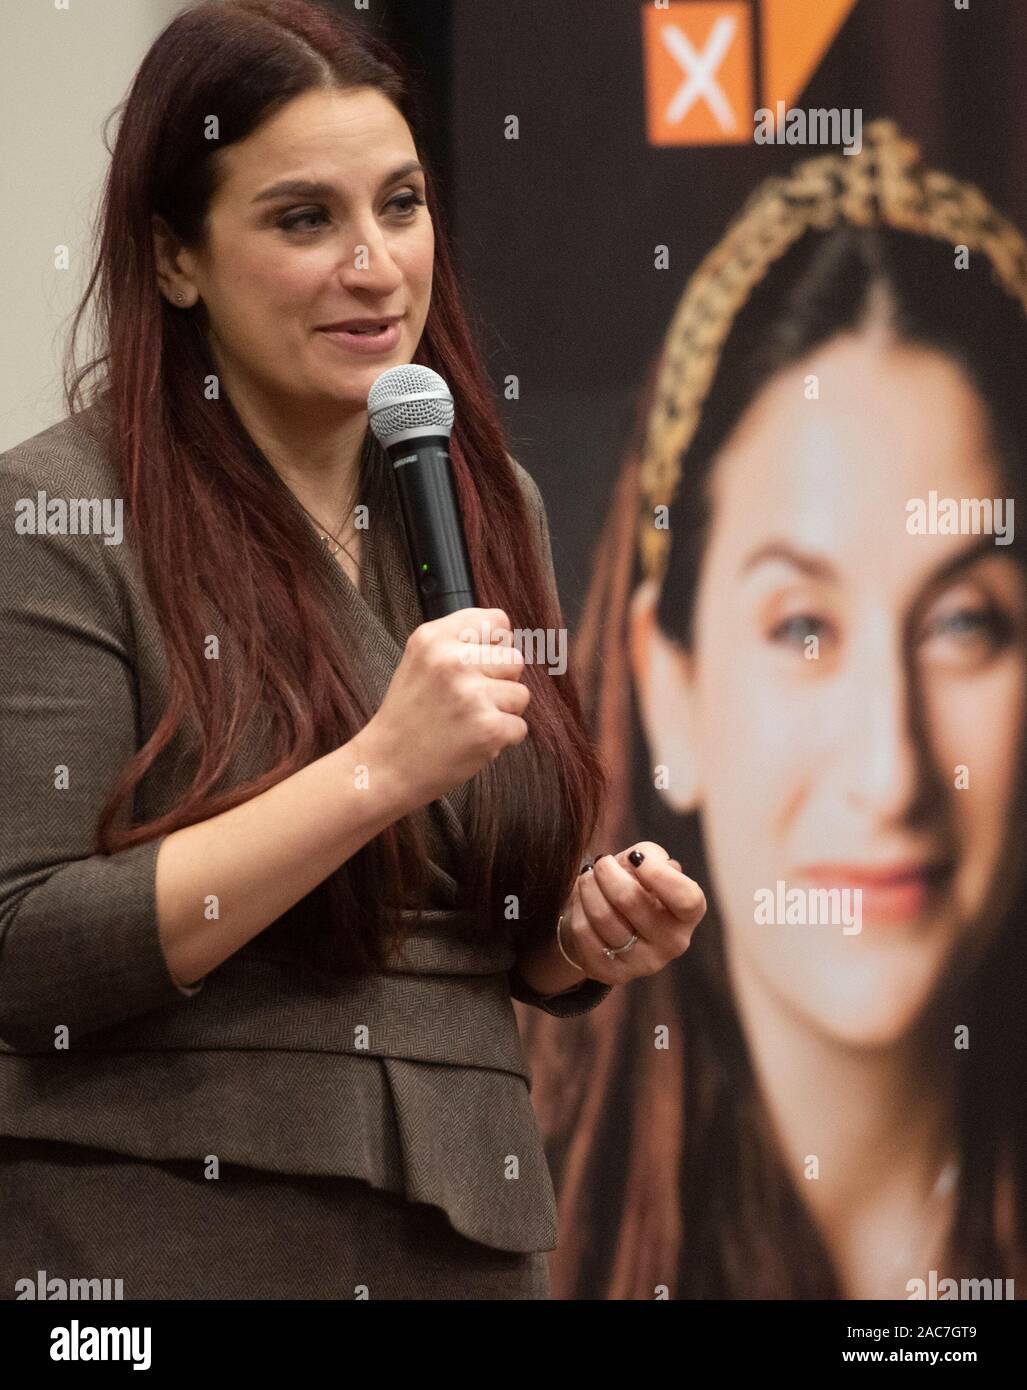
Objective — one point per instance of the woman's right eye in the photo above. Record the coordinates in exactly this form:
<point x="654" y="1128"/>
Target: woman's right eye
<point x="292" y="221"/>
<point x="798" y="629"/>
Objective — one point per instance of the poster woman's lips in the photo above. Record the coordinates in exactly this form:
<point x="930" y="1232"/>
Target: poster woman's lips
<point x="880" y="873"/>
<point x="899" y="891"/>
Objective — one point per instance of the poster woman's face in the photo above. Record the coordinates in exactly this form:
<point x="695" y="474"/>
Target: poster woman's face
<point x="881" y="756"/>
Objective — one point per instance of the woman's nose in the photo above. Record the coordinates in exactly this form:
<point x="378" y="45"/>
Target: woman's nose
<point x="884" y="759"/>
<point x="367" y="263"/>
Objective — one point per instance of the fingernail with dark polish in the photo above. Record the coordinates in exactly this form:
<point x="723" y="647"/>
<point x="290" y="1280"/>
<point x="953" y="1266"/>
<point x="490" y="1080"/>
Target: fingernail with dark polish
<point x="636" y="856"/>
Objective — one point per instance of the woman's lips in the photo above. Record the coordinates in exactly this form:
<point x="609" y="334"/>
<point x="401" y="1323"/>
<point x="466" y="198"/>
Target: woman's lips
<point x="898" y="893"/>
<point x="369" y="344"/>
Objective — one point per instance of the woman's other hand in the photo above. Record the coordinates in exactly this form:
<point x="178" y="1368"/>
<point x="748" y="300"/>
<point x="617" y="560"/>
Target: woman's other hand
<point x="617" y="897"/>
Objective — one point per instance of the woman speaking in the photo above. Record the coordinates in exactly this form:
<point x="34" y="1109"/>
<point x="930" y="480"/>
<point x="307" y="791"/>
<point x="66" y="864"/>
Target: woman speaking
<point x="277" y="855"/>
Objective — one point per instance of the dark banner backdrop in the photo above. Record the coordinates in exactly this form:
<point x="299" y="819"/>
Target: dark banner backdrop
<point x="556" y="230"/>
<point x="555" y="234"/>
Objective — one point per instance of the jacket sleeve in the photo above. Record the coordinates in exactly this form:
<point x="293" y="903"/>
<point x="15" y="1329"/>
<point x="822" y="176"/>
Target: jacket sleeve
<point x="578" y="1000"/>
<point x="587" y="993"/>
<point x="78" y="930"/>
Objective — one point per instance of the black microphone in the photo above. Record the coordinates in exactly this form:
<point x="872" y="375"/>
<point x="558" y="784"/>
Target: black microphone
<point x="410" y="410"/>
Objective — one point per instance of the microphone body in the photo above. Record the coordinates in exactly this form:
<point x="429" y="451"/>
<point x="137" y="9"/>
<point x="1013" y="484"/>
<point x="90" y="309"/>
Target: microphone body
<point x="434" y="531"/>
<point x="410" y="410"/>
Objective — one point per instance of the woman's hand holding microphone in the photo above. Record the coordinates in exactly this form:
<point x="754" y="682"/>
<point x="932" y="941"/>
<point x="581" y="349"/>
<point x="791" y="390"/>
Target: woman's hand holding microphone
<point x="454" y="703"/>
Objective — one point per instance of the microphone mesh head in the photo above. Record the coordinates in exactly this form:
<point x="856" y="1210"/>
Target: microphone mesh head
<point x="409" y="400"/>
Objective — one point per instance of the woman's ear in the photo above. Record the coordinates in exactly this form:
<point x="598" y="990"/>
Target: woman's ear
<point x="172" y="265"/>
<point x="663" y="679"/>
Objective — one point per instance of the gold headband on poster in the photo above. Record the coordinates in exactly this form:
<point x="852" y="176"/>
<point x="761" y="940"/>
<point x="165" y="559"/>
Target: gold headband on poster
<point x="885" y="184"/>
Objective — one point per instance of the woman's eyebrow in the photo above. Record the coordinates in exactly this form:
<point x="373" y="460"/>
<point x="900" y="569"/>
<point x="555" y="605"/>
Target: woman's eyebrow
<point x="306" y="188"/>
<point x="981" y="547"/>
<point x="820" y="567"/>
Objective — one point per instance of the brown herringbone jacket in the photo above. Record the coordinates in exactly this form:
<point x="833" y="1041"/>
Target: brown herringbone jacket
<point x="252" y="1064"/>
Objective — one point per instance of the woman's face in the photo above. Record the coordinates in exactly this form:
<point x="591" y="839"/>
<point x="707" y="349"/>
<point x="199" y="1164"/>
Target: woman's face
<point x="884" y="755"/>
<point x="277" y="267"/>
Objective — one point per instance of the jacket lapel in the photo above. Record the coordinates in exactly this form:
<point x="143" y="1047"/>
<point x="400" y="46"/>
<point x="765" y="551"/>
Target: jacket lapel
<point x="379" y="617"/>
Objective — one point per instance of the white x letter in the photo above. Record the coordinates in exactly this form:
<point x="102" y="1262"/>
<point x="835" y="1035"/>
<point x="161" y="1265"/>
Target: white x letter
<point x="700" y="69"/>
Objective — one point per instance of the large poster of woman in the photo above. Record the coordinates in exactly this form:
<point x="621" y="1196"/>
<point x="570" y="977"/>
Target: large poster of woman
<point x="804" y="645"/>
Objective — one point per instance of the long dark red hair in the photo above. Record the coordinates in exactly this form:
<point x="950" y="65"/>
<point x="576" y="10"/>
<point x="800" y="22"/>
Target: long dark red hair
<point x="196" y="485"/>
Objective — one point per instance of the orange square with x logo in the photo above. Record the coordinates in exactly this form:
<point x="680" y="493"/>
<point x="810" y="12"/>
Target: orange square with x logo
<point x="698" y="57"/>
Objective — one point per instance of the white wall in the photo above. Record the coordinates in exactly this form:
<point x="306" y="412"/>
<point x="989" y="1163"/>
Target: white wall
<point x="64" y="66"/>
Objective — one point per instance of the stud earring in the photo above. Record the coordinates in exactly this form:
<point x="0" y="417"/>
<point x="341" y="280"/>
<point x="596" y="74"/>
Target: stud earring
<point x="178" y="299"/>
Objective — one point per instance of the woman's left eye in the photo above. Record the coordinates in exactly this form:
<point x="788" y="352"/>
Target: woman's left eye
<point x="964" y="623"/>
<point x="409" y="201"/>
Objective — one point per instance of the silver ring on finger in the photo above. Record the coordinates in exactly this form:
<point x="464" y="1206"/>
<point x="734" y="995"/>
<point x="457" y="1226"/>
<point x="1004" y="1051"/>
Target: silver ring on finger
<point x="610" y="951"/>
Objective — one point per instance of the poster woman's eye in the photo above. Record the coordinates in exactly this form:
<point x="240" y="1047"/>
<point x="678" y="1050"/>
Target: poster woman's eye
<point x="798" y="629"/>
<point x="969" y="634"/>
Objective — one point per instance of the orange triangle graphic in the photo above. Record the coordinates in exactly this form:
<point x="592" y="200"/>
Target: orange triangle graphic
<point x="796" y="34"/>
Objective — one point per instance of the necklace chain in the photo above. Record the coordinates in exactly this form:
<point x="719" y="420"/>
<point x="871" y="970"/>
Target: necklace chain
<point x="339" y="545"/>
<point x="321" y="529"/>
